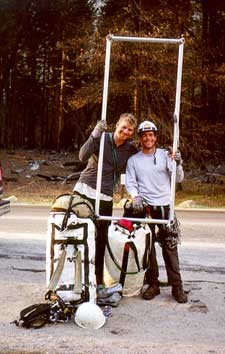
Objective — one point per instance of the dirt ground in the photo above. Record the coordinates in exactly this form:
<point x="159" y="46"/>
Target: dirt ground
<point x="160" y="326"/>
<point x="32" y="176"/>
<point x="37" y="177"/>
<point x="137" y="326"/>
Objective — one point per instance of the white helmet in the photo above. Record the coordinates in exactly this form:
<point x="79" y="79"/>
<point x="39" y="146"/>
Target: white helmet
<point x="89" y="316"/>
<point x="147" y="126"/>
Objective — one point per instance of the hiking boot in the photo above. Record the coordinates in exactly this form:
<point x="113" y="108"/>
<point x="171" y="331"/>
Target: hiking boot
<point x="151" y="291"/>
<point x="179" y="294"/>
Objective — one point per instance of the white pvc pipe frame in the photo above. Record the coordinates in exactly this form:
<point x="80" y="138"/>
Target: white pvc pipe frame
<point x="109" y="39"/>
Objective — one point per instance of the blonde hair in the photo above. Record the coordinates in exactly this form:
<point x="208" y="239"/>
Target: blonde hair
<point x="129" y="117"/>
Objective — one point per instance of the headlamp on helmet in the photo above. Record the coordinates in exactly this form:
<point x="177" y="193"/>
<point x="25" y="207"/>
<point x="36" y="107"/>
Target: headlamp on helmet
<point x="147" y="126"/>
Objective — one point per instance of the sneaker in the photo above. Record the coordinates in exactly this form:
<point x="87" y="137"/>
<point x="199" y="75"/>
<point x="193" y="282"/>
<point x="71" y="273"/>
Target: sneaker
<point x="112" y="300"/>
<point x="151" y="292"/>
<point x="103" y="292"/>
<point x="107" y="311"/>
<point x="179" y="294"/>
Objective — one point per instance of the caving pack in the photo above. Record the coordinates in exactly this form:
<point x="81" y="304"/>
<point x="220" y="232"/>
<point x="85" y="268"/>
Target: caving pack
<point x="70" y="249"/>
<point x="128" y="251"/>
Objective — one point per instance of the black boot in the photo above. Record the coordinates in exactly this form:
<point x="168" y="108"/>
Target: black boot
<point x="179" y="294"/>
<point x="151" y="291"/>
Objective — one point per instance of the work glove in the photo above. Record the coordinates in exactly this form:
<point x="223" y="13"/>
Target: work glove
<point x="100" y="127"/>
<point x="176" y="156"/>
<point x="137" y="204"/>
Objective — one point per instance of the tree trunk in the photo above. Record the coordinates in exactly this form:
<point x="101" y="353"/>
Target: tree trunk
<point x="61" y="96"/>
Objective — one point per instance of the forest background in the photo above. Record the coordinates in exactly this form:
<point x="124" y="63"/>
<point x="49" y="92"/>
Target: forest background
<point x="52" y="58"/>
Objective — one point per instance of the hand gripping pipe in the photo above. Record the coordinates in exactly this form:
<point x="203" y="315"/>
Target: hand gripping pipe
<point x="109" y="39"/>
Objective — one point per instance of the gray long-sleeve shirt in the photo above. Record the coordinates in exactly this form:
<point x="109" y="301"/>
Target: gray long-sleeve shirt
<point x="149" y="176"/>
<point x="89" y="152"/>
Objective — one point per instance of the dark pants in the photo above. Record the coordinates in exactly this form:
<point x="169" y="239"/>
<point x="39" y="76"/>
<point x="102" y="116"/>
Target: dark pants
<point x="170" y="256"/>
<point x="105" y="209"/>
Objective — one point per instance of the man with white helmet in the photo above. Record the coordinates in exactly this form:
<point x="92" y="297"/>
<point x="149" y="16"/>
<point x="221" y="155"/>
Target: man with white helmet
<point x="148" y="181"/>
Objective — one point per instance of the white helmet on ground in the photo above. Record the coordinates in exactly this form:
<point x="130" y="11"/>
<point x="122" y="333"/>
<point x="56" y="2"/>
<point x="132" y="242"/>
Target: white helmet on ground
<point x="147" y="126"/>
<point x="89" y="316"/>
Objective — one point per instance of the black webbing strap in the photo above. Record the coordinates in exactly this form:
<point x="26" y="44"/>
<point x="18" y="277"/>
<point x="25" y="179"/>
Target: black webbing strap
<point x="146" y="257"/>
<point x="115" y="161"/>
<point x="86" y="263"/>
<point x="114" y="259"/>
<point x="126" y="250"/>
<point x="67" y="214"/>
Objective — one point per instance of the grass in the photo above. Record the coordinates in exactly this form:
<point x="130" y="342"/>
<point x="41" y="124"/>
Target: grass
<point x="208" y="195"/>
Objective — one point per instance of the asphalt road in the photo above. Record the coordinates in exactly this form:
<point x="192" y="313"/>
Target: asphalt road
<point x="160" y="326"/>
<point x="31" y="220"/>
<point x="23" y="234"/>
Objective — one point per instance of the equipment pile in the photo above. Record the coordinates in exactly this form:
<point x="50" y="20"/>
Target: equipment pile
<point x="70" y="278"/>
